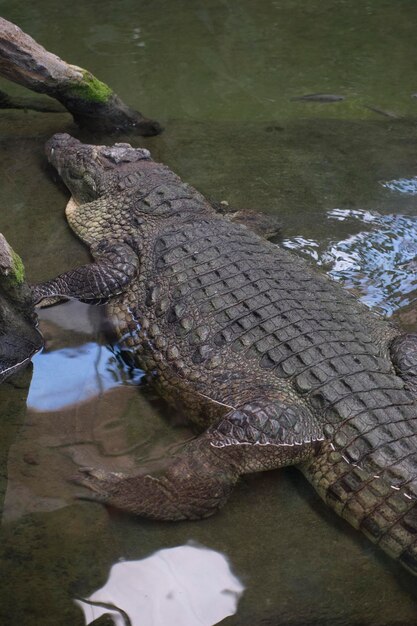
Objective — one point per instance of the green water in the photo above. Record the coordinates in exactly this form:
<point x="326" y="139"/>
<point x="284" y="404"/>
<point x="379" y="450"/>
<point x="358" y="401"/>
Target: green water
<point x="220" y="76"/>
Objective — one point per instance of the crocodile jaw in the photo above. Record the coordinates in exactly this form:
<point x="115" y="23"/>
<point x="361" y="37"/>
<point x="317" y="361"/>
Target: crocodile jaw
<point x="71" y="207"/>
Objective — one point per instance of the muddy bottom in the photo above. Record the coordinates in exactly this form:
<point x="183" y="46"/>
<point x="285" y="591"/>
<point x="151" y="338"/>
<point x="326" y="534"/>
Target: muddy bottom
<point x="342" y="177"/>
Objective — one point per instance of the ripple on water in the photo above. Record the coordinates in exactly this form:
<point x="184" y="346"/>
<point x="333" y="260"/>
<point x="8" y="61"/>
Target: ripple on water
<point x="402" y="185"/>
<point x="379" y="262"/>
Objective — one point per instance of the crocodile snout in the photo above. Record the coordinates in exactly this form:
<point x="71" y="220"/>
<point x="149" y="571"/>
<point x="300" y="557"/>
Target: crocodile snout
<point x="59" y="141"/>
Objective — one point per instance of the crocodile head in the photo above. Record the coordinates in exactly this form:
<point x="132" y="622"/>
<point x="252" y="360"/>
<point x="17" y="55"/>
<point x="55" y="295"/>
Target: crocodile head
<point x="116" y="188"/>
<point x="90" y="171"/>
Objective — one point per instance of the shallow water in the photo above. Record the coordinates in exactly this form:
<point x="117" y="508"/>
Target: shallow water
<point x="220" y="76"/>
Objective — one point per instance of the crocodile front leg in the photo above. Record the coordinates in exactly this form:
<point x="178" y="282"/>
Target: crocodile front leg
<point x="116" y="264"/>
<point x="254" y="438"/>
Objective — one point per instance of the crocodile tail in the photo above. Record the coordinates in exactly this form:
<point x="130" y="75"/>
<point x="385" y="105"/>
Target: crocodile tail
<point x="386" y="514"/>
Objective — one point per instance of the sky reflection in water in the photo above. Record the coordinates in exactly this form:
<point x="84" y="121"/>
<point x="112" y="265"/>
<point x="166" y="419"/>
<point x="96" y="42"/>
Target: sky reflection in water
<point x="70" y="376"/>
<point x="379" y="262"/>
<point x="402" y="185"/>
<point x="187" y="586"/>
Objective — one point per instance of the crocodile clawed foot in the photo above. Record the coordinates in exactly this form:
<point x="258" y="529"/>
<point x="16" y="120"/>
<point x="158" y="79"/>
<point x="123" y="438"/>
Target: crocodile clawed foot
<point x="100" y="483"/>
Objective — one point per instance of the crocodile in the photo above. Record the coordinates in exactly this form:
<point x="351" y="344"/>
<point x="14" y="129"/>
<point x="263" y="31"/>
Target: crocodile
<point x="275" y="363"/>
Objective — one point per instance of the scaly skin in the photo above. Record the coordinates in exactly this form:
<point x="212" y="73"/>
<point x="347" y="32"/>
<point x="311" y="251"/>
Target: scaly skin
<point x="276" y="364"/>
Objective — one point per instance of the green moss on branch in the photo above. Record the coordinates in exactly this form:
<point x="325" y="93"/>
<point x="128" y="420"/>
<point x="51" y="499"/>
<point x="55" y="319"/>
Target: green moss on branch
<point x="18" y="269"/>
<point x="90" y="89"/>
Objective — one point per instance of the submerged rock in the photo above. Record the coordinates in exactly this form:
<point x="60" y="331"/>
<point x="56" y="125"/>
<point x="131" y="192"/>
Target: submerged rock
<point x="19" y="337"/>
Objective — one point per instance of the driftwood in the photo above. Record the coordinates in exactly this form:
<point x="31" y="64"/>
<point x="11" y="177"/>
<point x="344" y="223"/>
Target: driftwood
<point x="92" y="103"/>
<point x="19" y="337"/>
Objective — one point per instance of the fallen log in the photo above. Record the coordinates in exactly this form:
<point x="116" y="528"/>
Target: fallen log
<point x="92" y="103"/>
<point x="19" y="337"/>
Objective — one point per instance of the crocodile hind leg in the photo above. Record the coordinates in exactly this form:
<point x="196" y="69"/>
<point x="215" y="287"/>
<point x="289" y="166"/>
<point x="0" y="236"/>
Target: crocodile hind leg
<point x="253" y="438"/>
<point x="116" y="264"/>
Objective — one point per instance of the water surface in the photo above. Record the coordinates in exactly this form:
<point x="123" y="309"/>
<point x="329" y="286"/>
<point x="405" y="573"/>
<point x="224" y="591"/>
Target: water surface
<point x="220" y="76"/>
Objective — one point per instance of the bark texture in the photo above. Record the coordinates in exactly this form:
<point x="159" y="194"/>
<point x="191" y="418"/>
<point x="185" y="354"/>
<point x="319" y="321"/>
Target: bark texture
<point x="92" y="103"/>
<point x="19" y="337"/>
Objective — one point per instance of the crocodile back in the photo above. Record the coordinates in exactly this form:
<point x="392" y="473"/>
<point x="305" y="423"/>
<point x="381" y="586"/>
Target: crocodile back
<point x="237" y="307"/>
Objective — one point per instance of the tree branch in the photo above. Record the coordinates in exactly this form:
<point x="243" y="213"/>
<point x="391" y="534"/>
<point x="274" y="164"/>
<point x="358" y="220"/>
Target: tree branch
<point x="92" y="103"/>
<point x="19" y="337"/>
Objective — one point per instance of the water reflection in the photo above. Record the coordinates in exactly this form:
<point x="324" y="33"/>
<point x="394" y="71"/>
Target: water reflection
<point x="77" y="373"/>
<point x="74" y="367"/>
<point x="188" y="585"/>
<point x="402" y="185"/>
<point x="379" y="262"/>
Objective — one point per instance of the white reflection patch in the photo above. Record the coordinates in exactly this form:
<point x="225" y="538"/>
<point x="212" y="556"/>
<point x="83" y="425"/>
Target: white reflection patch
<point x="71" y="375"/>
<point x="184" y="586"/>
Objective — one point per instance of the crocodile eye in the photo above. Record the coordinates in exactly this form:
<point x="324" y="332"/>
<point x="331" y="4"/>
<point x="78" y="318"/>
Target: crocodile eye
<point x="75" y="175"/>
<point x="89" y="180"/>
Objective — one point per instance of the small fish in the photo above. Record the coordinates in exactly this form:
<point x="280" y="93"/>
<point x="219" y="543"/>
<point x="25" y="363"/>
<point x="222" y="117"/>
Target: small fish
<point x="319" y="97"/>
<point x="384" y="112"/>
